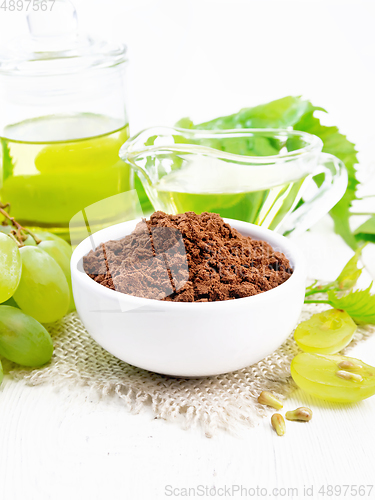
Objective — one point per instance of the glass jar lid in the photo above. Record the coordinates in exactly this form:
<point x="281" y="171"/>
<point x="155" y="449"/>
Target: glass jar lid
<point x="55" y="46"/>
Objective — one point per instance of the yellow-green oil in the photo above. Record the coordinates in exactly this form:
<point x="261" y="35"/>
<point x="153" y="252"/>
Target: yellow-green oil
<point x="235" y="192"/>
<point x="266" y="207"/>
<point x="55" y="166"/>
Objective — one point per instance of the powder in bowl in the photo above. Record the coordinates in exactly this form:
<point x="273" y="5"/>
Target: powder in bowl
<point x="187" y="258"/>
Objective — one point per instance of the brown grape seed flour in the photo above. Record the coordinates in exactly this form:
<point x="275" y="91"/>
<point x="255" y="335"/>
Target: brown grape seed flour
<point x="187" y="258"/>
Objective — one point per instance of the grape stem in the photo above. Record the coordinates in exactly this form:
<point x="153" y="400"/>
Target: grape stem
<point x="17" y="234"/>
<point x="319" y="290"/>
<point x="317" y="302"/>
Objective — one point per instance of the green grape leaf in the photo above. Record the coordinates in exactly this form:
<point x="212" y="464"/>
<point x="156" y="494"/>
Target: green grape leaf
<point x="360" y="305"/>
<point x="282" y="113"/>
<point x="338" y="145"/>
<point x="295" y="112"/>
<point x="185" y="123"/>
<point x="7" y="161"/>
<point x="366" y="232"/>
<point x="350" y="274"/>
<point x="345" y="280"/>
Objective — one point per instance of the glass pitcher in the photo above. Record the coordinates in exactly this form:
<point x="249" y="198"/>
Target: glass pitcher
<point x="255" y="175"/>
<point x="62" y="121"/>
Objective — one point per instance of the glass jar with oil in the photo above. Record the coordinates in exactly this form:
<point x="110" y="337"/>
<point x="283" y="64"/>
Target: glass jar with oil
<point x="62" y="123"/>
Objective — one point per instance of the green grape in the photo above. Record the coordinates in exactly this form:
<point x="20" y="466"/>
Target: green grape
<point x="325" y="333"/>
<point x="43" y="291"/>
<point x="57" y="251"/>
<point x="10" y="267"/>
<point x="5" y="229"/>
<point x="90" y="154"/>
<point x="334" y="378"/>
<point x="23" y="339"/>
<point x="63" y="247"/>
<point x="46" y="236"/>
<point x="29" y="241"/>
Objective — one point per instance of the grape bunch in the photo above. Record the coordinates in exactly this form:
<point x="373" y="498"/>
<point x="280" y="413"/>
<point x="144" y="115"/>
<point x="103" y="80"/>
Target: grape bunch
<point x="35" y="288"/>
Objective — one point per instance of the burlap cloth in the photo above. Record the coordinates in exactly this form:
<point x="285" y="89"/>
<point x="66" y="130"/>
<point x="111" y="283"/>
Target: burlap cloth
<point x="221" y="402"/>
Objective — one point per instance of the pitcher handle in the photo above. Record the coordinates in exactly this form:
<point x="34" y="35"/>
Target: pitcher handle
<point x="326" y="196"/>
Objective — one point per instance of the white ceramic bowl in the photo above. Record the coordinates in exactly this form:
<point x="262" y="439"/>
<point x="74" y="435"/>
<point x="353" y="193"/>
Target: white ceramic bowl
<point x="183" y="338"/>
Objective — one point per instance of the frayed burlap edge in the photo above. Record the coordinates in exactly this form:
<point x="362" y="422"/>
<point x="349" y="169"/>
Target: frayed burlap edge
<point x="226" y="402"/>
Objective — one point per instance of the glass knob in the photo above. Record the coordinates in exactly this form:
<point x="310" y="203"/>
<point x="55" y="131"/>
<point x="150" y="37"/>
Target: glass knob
<point x="53" y="20"/>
